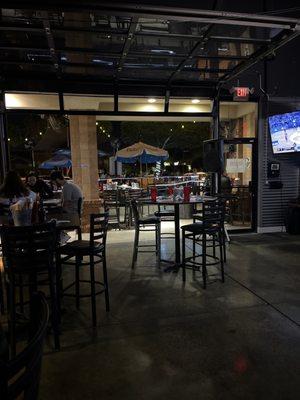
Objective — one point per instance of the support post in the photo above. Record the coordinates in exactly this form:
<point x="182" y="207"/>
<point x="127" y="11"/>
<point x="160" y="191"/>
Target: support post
<point x="215" y="184"/>
<point x="4" y="166"/>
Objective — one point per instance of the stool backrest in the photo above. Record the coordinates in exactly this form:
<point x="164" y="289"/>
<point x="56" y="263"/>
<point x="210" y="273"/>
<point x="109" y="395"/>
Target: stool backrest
<point x="110" y="196"/>
<point x="19" y="377"/>
<point x="28" y="248"/>
<point x="98" y="229"/>
<point x="134" y="194"/>
<point x="213" y="213"/>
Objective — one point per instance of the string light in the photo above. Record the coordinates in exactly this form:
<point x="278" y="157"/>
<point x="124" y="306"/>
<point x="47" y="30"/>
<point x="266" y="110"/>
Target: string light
<point x="182" y="126"/>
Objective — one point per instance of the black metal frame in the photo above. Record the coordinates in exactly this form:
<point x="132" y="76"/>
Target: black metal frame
<point x="289" y="29"/>
<point x="254" y="172"/>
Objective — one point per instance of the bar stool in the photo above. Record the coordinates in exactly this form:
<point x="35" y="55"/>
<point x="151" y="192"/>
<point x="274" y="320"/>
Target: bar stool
<point x="201" y="232"/>
<point x="130" y="196"/>
<point x="165" y="215"/>
<point x="29" y="254"/>
<point x="111" y="202"/>
<point x="145" y="224"/>
<point x="95" y="249"/>
<point x="198" y="217"/>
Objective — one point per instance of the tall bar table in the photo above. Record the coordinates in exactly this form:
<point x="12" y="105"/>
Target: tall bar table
<point x="176" y="204"/>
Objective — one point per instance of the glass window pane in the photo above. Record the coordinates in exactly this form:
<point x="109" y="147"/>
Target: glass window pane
<point x="104" y="42"/>
<point x="227" y="48"/>
<point x="36" y="101"/>
<point x="238" y="119"/>
<point x="141" y="104"/>
<point x="92" y="103"/>
<point x="192" y="105"/>
<point x="162" y="45"/>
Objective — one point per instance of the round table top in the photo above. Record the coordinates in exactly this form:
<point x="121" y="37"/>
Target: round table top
<point x="171" y="201"/>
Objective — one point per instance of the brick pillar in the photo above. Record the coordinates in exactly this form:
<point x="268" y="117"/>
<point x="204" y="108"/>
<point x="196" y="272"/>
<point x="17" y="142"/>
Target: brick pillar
<point x="84" y="151"/>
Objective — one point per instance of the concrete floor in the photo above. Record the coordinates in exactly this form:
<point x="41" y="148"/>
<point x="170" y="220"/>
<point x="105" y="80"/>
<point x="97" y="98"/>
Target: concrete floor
<point x="166" y="340"/>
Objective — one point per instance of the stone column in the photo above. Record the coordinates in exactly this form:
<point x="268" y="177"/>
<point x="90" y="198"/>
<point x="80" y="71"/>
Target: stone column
<point x="83" y="138"/>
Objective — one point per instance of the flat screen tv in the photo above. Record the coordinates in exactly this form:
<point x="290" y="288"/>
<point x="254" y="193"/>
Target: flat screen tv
<point x="285" y="132"/>
<point x="213" y="159"/>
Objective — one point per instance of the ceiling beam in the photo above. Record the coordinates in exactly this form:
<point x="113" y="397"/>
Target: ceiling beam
<point x="26" y="28"/>
<point x="127" y="44"/>
<point x="142" y="54"/>
<point x="51" y="44"/>
<point x="103" y="67"/>
<point x="169" y="13"/>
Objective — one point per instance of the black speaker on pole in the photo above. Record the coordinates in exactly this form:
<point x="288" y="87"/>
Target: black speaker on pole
<point x="213" y="156"/>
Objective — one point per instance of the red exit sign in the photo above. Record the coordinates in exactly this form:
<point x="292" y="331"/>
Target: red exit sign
<point x="241" y="93"/>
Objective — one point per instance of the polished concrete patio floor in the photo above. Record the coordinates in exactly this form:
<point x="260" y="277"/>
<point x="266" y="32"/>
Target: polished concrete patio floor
<point x="166" y="340"/>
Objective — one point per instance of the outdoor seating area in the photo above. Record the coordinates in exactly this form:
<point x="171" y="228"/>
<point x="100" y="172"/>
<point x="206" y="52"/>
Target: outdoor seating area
<point x="149" y="200"/>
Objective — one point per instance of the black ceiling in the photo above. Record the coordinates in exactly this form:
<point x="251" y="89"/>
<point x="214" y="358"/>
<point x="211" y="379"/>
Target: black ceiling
<point x="93" y="46"/>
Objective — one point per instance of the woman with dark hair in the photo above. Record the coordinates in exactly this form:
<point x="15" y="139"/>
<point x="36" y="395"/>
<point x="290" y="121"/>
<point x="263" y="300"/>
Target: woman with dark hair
<point x="16" y="200"/>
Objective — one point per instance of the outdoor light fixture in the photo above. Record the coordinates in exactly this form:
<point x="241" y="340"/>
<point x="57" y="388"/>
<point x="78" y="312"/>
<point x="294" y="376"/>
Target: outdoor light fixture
<point x="151" y="100"/>
<point x="195" y="101"/>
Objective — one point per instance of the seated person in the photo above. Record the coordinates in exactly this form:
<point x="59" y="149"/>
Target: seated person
<point x="16" y="200"/>
<point x="39" y="186"/>
<point x="71" y="193"/>
<point x="226" y="185"/>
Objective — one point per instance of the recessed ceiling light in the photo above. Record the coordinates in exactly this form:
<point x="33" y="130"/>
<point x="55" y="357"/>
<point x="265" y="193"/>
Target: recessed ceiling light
<point x="151" y="100"/>
<point x="195" y="101"/>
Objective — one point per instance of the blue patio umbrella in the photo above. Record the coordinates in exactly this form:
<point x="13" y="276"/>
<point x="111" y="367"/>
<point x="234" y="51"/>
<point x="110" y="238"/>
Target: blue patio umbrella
<point x="57" y="161"/>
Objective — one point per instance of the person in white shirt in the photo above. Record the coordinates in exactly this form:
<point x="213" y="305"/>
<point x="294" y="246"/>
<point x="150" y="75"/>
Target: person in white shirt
<point x="71" y="193"/>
